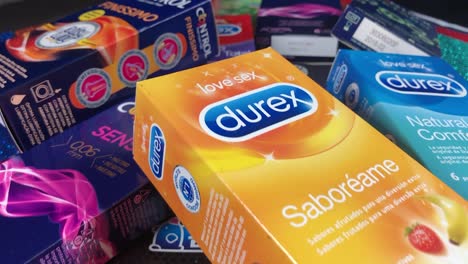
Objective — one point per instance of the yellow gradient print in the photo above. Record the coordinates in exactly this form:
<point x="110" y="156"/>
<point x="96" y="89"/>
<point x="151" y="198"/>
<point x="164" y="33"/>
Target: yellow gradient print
<point x="307" y="136"/>
<point x="325" y="188"/>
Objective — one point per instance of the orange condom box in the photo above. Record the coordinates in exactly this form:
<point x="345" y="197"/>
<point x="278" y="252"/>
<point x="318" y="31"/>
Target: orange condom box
<point x="262" y="165"/>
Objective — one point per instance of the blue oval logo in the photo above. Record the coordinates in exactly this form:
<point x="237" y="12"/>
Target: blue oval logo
<point x="157" y="151"/>
<point x="228" y="29"/>
<point x="420" y="83"/>
<point x="256" y="112"/>
<point x="187" y="190"/>
<point x="340" y="76"/>
<point x="172" y="236"/>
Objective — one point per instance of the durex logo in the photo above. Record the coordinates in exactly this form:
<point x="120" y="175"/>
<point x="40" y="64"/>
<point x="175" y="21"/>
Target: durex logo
<point x="157" y="150"/>
<point x="340" y="76"/>
<point x="256" y="112"/>
<point x="420" y="83"/>
<point x="228" y="30"/>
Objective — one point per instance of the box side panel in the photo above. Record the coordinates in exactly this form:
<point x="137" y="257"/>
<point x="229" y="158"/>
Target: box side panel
<point x="217" y="220"/>
<point x="77" y="90"/>
<point x="127" y="220"/>
<point x="8" y="145"/>
<point x="187" y="40"/>
<point x="347" y="83"/>
<point x="384" y="31"/>
<point x="299" y="30"/>
<point x="61" y="189"/>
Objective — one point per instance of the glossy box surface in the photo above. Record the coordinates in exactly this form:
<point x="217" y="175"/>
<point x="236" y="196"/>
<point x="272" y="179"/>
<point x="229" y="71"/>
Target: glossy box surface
<point x="78" y="197"/>
<point x="235" y="35"/>
<point x="58" y="74"/>
<point x="384" y="26"/>
<point x="262" y="165"/>
<point x="298" y="29"/>
<point x="419" y="102"/>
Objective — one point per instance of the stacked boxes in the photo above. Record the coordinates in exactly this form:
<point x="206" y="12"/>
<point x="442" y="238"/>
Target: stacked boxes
<point x="384" y="26"/>
<point x="262" y="165"/>
<point x="257" y="161"/>
<point x="79" y="197"/>
<point x="235" y="35"/>
<point x="298" y="29"/>
<point x="58" y="74"/>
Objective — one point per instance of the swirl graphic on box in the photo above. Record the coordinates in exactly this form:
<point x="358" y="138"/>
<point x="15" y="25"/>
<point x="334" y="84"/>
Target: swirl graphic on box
<point x="65" y="196"/>
<point x="302" y="11"/>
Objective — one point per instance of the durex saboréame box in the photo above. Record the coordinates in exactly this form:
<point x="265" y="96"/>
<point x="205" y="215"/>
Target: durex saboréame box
<point x="262" y="165"/>
<point x="56" y="75"/>
<point x="419" y="102"/>
<point x="79" y="197"/>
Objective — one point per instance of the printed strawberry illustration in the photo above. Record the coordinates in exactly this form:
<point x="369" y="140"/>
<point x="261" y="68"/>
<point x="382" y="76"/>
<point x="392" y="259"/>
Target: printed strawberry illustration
<point x="424" y="239"/>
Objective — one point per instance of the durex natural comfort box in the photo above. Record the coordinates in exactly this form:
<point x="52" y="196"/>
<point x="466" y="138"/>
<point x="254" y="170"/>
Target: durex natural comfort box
<point x="418" y="102"/>
<point x="262" y="165"/>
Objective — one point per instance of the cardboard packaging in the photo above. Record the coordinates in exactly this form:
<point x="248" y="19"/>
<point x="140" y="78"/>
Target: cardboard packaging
<point x="235" y="35"/>
<point x="230" y="7"/>
<point x="418" y="102"/>
<point x="454" y="47"/>
<point x="299" y="29"/>
<point x="383" y="26"/>
<point x="262" y="165"/>
<point x="169" y="243"/>
<point x="78" y="197"/>
<point x="58" y="74"/>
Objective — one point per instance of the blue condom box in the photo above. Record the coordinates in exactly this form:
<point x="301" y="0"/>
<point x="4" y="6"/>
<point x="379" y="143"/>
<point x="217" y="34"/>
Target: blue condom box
<point x="79" y="197"/>
<point x="58" y="74"/>
<point x="418" y="102"/>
